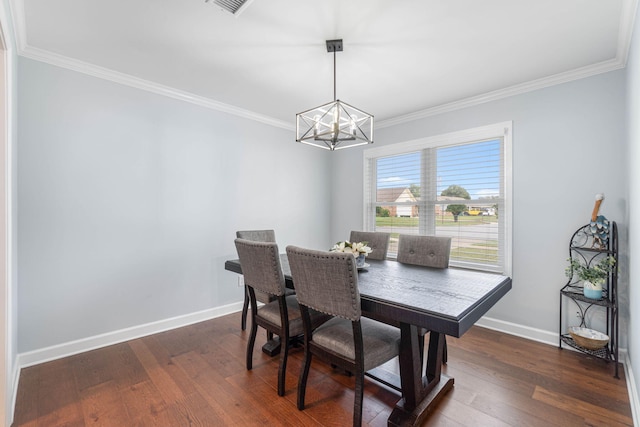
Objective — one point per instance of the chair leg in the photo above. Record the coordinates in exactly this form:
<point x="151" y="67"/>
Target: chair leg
<point x="251" y="342"/>
<point x="245" y="309"/>
<point x="302" y="381"/>
<point x="358" y="398"/>
<point x="282" y="369"/>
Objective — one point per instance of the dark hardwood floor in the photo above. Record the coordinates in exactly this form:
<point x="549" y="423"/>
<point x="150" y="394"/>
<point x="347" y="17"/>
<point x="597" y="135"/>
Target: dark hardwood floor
<point x="196" y="376"/>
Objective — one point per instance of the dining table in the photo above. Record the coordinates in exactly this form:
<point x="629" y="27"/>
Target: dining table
<point x="417" y="299"/>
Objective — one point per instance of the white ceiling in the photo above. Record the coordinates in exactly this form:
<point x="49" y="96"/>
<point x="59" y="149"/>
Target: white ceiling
<point x="401" y="59"/>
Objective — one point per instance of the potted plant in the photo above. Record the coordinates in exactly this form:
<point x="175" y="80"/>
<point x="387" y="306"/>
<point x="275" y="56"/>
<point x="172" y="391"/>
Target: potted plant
<point x="359" y="250"/>
<point x="593" y="276"/>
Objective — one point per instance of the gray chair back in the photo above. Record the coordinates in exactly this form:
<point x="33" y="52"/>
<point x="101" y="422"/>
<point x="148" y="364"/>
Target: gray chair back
<point x="326" y="281"/>
<point x="377" y="241"/>
<point x="261" y="267"/>
<point x="427" y="251"/>
<point x="257" y="235"/>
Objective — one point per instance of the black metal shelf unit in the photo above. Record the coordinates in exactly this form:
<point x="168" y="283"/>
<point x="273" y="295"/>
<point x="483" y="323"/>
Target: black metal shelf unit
<point x="585" y="248"/>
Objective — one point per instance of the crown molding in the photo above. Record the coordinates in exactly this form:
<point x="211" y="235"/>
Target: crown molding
<point x="128" y="80"/>
<point x="577" y="74"/>
<point x="19" y="25"/>
<point x="627" y="20"/>
<point x="16" y="8"/>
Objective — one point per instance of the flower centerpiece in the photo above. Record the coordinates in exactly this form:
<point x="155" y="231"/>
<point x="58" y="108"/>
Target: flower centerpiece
<point x="359" y="250"/>
<point x="592" y="275"/>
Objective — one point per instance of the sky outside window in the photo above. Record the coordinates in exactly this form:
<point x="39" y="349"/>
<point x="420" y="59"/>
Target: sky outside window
<point x="475" y="167"/>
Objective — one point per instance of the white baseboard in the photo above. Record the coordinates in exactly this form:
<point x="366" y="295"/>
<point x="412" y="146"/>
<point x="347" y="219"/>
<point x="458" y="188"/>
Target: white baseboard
<point x="79" y="346"/>
<point x="633" y="391"/>
<point x="527" y="332"/>
<point x="15" y="379"/>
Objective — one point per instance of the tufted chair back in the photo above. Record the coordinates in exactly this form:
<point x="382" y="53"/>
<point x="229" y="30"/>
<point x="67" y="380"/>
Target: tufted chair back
<point x="319" y="274"/>
<point x="261" y="266"/>
<point x="427" y="251"/>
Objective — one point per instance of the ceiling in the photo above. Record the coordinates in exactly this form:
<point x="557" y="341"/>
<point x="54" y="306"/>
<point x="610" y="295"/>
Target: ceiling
<point x="401" y="59"/>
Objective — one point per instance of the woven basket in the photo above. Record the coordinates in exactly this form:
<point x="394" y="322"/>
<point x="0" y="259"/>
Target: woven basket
<point x="588" y="338"/>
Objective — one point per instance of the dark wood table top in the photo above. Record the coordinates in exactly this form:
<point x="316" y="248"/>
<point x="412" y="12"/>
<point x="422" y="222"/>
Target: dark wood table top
<point x="448" y="301"/>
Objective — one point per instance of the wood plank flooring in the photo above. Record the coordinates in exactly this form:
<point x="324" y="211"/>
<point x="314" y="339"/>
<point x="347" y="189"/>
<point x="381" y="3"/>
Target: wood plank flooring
<point x="196" y="376"/>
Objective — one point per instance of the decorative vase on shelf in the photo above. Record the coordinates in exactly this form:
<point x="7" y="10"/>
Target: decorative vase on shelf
<point x="360" y="260"/>
<point x="592" y="290"/>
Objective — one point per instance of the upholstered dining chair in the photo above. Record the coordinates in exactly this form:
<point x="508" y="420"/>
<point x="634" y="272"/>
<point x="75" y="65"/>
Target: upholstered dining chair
<point x="256" y="236"/>
<point x="377" y="241"/>
<point x="426" y="251"/>
<point x="262" y="272"/>
<point x="328" y="282"/>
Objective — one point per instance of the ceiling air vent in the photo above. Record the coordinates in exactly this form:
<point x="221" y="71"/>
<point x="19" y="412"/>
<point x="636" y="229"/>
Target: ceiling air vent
<point x="235" y="7"/>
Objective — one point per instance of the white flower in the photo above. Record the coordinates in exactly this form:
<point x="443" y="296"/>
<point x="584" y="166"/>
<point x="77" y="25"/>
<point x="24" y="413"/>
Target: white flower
<point x="361" y="247"/>
<point x="338" y="247"/>
<point x="356" y="248"/>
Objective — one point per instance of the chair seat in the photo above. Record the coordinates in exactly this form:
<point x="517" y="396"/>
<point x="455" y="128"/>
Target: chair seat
<point x="380" y="341"/>
<point x="264" y="297"/>
<point x="271" y="313"/>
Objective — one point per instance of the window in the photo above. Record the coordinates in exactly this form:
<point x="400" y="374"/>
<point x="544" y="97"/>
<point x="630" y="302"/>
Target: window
<point x="456" y="185"/>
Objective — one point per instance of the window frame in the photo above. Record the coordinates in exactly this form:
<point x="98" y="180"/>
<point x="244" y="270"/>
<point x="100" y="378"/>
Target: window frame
<point x="502" y="130"/>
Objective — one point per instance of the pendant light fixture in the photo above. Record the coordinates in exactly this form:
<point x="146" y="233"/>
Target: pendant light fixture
<point x="335" y="125"/>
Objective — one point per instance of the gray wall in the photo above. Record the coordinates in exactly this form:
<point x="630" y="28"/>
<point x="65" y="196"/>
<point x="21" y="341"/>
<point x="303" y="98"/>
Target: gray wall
<point x="633" y="163"/>
<point x="129" y="201"/>
<point x="568" y="145"/>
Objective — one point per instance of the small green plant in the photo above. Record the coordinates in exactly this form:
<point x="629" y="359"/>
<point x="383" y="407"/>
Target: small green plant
<point x="595" y="273"/>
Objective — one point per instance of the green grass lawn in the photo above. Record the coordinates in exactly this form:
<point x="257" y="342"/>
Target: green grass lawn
<point x="446" y="220"/>
<point x="484" y="255"/>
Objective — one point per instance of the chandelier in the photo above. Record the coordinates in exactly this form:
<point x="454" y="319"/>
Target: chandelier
<point x="335" y="125"/>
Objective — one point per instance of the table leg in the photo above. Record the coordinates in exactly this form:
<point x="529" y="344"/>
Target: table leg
<point x="419" y="394"/>
<point x="272" y="347"/>
<point x="410" y="365"/>
<point x="435" y="357"/>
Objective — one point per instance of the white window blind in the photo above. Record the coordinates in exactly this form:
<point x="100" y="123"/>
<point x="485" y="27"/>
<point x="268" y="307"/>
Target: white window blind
<point x="455" y="185"/>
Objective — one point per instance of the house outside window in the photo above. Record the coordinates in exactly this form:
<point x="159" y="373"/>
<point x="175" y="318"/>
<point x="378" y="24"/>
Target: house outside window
<point x="456" y="185"/>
